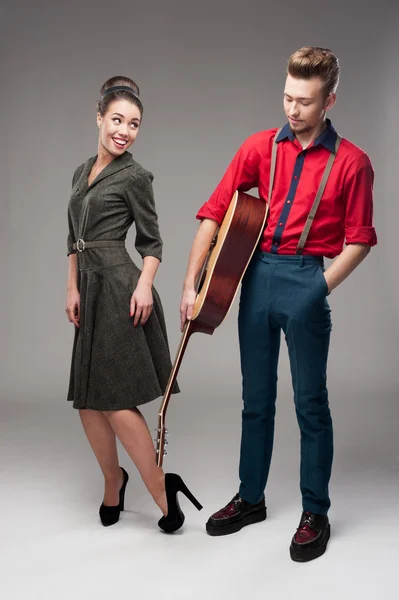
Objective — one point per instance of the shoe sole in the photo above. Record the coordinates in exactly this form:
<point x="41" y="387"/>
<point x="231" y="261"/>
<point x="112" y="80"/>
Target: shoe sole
<point x="305" y="555"/>
<point x="255" y="517"/>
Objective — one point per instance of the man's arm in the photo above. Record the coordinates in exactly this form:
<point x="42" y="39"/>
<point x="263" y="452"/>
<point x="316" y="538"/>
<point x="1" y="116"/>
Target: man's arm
<point x="344" y="264"/>
<point x="242" y="174"/>
<point x="199" y="250"/>
<point x="360" y="235"/>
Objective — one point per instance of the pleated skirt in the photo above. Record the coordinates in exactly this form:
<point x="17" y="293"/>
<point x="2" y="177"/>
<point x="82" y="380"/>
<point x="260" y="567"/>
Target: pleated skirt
<point x="115" y="365"/>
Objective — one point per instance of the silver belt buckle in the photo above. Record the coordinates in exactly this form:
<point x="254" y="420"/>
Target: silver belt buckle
<point x="80" y="245"/>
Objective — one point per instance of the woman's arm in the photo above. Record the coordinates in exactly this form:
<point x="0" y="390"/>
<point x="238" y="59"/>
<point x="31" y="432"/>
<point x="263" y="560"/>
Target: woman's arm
<point x="73" y="297"/>
<point x="142" y="301"/>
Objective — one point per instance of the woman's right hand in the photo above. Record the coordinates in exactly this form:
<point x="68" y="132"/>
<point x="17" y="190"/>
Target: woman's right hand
<point x="73" y="307"/>
<point x="187" y="304"/>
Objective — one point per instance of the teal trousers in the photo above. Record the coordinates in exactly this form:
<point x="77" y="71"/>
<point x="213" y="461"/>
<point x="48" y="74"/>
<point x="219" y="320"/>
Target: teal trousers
<point x="285" y="293"/>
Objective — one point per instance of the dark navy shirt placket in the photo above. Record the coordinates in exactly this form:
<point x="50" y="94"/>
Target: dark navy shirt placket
<point x="278" y="233"/>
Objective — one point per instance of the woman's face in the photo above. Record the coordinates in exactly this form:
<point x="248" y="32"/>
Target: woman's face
<point x="119" y="126"/>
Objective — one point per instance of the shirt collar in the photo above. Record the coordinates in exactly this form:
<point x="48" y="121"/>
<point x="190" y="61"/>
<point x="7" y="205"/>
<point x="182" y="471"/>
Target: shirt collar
<point x="327" y="138"/>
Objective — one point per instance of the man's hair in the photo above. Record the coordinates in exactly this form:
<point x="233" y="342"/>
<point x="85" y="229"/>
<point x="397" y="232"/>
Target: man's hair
<point x="311" y="61"/>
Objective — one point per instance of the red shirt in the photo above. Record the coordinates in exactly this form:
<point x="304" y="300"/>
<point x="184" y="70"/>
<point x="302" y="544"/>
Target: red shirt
<point x="345" y="213"/>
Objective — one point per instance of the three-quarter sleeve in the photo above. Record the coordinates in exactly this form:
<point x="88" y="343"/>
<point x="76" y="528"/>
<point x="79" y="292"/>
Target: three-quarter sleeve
<point x="358" y="192"/>
<point x="140" y="200"/>
<point x="71" y="239"/>
<point x="71" y="236"/>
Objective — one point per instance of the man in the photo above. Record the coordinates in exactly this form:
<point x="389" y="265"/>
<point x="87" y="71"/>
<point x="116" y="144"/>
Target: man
<point x="285" y="286"/>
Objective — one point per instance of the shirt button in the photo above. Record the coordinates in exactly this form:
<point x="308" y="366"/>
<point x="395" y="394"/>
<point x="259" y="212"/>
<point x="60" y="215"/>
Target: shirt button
<point x="281" y="224"/>
<point x="295" y="176"/>
<point x="288" y="201"/>
<point x="276" y="243"/>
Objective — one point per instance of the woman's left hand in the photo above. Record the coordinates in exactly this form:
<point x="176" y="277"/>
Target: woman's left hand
<point x="141" y="304"/>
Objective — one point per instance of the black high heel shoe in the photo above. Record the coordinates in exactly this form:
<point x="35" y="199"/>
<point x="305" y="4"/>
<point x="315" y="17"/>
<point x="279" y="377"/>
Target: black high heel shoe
<point x="109" y="515"/>
<point x="175" y="517"/>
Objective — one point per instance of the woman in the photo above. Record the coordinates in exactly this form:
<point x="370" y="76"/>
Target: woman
<point x="120" y="360"/>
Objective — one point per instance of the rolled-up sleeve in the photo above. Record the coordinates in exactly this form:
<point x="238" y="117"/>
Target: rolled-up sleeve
<point x="358" y="192"/>
<point x="140" y="199"/>
<point x="242" y="174"/>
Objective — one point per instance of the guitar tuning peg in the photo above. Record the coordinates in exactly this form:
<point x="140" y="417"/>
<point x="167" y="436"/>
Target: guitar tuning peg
<point x="166" y="432"/>
<point x="164" y="453"/>
<point x="166" y="442"/>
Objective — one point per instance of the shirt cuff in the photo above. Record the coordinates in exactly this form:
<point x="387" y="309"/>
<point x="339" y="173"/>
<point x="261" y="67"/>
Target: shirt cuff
<point x="208" y="211"/>
<point x="361" y="235"/>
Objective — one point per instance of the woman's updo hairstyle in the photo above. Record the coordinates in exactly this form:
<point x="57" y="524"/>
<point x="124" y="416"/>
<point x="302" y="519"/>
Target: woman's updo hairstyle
<point x="108" y="95"/>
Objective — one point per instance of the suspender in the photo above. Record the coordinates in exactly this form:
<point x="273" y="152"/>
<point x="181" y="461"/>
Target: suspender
<point x="273" y="166"/>
<point x="320" y="191"/>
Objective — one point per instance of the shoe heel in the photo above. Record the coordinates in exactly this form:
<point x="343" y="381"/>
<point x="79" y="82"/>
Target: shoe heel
<point x="175" y="517"/>
<point x="184" y="490"/>
<point x="123" y="490"/>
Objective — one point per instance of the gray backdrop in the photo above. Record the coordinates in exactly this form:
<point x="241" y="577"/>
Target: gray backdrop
<point x="211" y="74"/>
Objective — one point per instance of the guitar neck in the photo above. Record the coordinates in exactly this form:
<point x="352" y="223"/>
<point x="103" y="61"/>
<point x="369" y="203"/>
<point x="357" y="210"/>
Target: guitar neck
<point x="222" y="268"/>
<point x="161" y="431"/>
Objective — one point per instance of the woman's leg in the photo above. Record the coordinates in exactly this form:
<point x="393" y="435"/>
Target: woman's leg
<point x="132" y="431"/>
<point x="102" y="440"/>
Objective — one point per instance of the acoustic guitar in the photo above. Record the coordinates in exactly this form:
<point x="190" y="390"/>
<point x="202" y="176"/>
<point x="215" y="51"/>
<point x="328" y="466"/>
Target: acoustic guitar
<point x="230" y="252"/>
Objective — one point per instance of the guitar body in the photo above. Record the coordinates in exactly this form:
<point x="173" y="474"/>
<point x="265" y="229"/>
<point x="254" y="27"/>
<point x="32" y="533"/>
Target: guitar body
<point x="224" y="267"/>
<point x="235" y="243"/>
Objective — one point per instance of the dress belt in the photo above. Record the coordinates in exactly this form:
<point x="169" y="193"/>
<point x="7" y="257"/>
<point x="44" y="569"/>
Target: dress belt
<point x="81" y="245"/>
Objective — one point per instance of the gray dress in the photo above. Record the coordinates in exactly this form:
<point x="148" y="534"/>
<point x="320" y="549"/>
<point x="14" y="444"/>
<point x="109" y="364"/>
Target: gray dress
<point x="114" y="364"/>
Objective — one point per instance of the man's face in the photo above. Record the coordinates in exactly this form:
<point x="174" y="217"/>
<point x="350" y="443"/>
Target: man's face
<point x="306" y="103"/>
